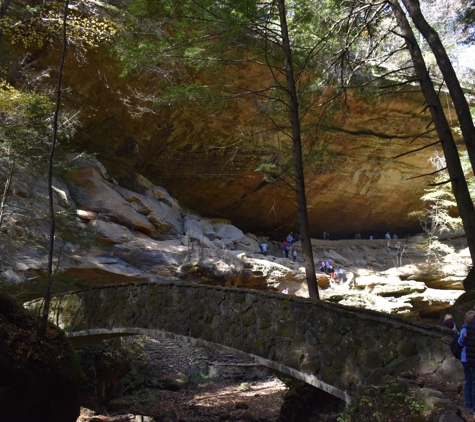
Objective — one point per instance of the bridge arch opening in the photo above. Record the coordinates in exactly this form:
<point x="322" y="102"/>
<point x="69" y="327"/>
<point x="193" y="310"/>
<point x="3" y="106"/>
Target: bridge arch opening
<point x="84" y="337"/>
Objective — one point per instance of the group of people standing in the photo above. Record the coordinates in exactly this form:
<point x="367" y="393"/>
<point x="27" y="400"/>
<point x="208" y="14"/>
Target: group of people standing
<point x="287" y="245"/>
<point x="327" y="268"/>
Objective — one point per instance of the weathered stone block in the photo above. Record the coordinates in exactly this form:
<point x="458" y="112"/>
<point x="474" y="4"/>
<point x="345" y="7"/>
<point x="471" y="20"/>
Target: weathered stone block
<point x="350" y="342"/>
<point x="375" y="377"/>
<point x="312" y="367"/>
<point x="390" y="354"/>
<point x="395" y="335"/>
<point x="293" y="358"/>
<point x="314" y="337"/>
<point x="259" y="347"/>
<point x="311" y="352"/>
<point x="285" y="328"/>
<point x="327" y="375"/>
<point x="196" y="329"/>
<point x="249" y="319"/>
<point x="332" y="338"/>
<point x="407" y="347"/>
<point x="402" y="364"/>
<point x="370" y="358"/>
<point x="207" y="333"/>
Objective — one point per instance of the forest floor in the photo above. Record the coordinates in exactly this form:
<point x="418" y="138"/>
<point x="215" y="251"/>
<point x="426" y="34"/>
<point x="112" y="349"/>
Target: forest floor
<point x="216" y="401"/>
<point x="210" y="401"/>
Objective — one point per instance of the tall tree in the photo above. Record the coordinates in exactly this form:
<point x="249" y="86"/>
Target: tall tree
<point x="450" y="77"/>
<point x="454" y="167"/>
<point x="49" y="269"/>
<point x="293" y="103"/>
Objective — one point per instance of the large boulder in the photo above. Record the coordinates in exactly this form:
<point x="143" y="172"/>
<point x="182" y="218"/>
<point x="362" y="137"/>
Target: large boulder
<point x="166" y="219"/>
<point x="230" y="232"/>
<point x="92" y="193"/>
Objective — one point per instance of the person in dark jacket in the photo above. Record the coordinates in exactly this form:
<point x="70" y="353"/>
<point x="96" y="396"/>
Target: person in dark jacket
<point x="468" y="376"/>
<point x="470" y="354"/>
<point x="449" y="322"/>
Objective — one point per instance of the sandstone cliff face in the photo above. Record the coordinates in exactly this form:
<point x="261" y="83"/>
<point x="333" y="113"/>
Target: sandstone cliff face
<point x="207" y="160"/>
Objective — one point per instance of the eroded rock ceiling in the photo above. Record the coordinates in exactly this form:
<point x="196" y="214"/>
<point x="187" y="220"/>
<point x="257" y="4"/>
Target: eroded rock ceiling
<point x="206" y="157"/>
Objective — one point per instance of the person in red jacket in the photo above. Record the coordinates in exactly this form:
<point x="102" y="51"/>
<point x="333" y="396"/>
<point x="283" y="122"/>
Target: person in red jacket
<point x="286" y="248"/>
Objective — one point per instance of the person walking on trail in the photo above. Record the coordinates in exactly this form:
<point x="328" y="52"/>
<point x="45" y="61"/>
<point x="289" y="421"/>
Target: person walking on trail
<point x="322" y="266"/>
<point x="387" y="235"/>
<point x="324" y="236"/>
<point x="286" y="248"/>
<point x="449" y="322"/>
<point x="340" y="274"/>
<point x="294" y="254"/>
<point x="285" y="291"/>
<point x="263" y="247"/>
<point x="328" y="266"/>
<point x="469" y="382"/>
<point x="290" y="239"/>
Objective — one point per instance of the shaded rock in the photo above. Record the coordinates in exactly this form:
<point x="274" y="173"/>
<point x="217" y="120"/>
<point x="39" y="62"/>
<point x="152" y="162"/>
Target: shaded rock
<point x="193" y="228"/>
<point x="92" y="193"/>
<point x="337" y="258"/>
<point x="230" y="232"/>
<point x="166" y="219"/>
<point x="161" y="194"/>
<point x="84" y="160"/>
<point x="40" y="380"/>
<point x="112" y="232"/>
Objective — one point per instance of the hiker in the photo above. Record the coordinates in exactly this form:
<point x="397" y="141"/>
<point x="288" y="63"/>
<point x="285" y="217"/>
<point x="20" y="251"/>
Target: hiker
<point x="296" y="237"/>
<point x="469" y="390"/>
<point x="395" y="236"/>
<point x="332" y="274"/>
<point x="263" y="247"/>
<point x="324" y="236"/>
<point x="340" y="274"/>
<point x="285" y="291"/>
<point x="294" y="254"/>
<point x="290" y="239"/>
<point x="387" y="235"/>
<point x="322" y="267"/>
<point x="449" y="322"/>
<point x="286" y="249"/>
<point x="328" y="266"/>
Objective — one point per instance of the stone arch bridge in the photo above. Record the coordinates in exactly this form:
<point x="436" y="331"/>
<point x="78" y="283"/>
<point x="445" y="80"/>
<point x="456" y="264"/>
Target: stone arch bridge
<point x="332" y="347"/>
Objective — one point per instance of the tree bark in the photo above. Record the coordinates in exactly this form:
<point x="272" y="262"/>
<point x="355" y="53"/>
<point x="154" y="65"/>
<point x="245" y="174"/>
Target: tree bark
<point x="297" y="157"/>
<point x="445" y="65"/>
<point x="454" y="167"/>
<point x="5" y="191"/>
<point x="50" y="275"/>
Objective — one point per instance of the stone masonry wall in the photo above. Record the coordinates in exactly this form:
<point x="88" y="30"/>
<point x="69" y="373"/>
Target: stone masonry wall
<point x="324" y="344"/>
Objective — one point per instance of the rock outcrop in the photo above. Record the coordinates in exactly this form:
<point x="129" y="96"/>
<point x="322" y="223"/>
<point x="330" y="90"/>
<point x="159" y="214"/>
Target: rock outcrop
<point x="357" y="179"/>
<point x="121" y="243"/>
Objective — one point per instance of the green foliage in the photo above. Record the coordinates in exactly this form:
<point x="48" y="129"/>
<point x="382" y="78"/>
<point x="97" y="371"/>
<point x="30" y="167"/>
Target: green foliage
<point x="25" y="122"/>
<point x="466" y="17"/>
<point x="39" y="25"/>
<point x="394" y="400"/>
<point x="439" y="214"/>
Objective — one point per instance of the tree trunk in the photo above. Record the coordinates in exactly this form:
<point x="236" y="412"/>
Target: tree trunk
<point x="445" y="65"/>
<point x="5" y="191"/>
<point x="454" y="167"/>
<point x="297" y="151"/>
<point x="50" y="275"/>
